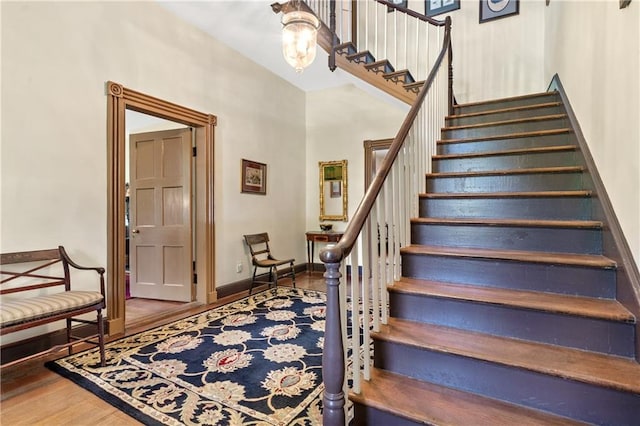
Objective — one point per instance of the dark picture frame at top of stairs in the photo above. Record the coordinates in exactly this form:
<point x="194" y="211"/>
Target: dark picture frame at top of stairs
<point x="491" y="10"/>
<point x="437" y="7"/>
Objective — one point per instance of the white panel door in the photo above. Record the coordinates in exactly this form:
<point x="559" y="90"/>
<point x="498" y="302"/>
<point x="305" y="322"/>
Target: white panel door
<point x="160" y="213"/>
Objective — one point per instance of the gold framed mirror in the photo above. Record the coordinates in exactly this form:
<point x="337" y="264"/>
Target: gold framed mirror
<point x="333" y="190"/>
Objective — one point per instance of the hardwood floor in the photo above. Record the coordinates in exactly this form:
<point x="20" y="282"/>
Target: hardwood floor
<point x="33" y="395"/>
<point x="138" y="310"/>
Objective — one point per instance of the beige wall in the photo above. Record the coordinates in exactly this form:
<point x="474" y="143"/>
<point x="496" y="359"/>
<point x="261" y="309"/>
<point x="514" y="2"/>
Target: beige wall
<point x="56" y="58"/>
<point x="498" y="58"/>
<point x="338" y="122"/>
<point x="594" y="46"/>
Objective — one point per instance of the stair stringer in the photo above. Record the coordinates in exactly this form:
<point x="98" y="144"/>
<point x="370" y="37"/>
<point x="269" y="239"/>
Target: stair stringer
<point x="615" y="245"/>
<point x="357" y="69"/>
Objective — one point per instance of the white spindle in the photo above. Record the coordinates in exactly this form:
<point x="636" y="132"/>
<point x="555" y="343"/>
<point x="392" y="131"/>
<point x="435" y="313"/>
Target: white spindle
<point x="355" y="317"/>
<point x="366" y="295"/>
<point x="413" y="45"/>
<point x="396" y="222"/>
<point x="376" y="250"/>
<point x="417" y="66"/>
<point x="386" y="259"/>
<point x="402" y="192"/>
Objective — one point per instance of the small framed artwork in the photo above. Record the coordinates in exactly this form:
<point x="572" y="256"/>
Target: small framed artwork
<point x="254" y="177"/>
<point x="401" y="3"/>
<point x="436" y="7"/>
<point x="336" y="189"/>
<point x="494" y="9"/>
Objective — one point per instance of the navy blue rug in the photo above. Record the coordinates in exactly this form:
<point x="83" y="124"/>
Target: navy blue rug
<point x="256" y="361"/>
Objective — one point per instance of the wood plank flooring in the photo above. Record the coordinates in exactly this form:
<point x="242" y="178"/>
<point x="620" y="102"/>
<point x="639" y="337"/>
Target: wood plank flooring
<point x="138" y="309"/>
<point x="33" y="395"/>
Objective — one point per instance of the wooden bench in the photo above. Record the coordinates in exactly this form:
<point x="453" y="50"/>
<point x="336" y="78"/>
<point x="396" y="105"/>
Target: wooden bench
<point x="25" y="305"/>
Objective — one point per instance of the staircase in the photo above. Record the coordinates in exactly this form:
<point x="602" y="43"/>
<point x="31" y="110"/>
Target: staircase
<point x="381" y="74"/>
<point x="362" y="63"/>
<point x="506" y="312"/>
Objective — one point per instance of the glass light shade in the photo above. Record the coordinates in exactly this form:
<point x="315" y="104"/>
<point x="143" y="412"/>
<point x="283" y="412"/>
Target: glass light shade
<point x="299" y="36"/>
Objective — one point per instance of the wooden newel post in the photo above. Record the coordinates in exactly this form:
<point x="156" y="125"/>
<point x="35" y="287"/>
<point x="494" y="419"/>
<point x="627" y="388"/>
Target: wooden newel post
<point x="450" y="100"/>
<point x="334" y="36"/>
<point x="333" y="366"/>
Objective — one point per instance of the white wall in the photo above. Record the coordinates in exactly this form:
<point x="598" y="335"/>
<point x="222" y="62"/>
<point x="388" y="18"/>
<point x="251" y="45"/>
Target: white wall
<point x="56" y="58"/>
<point x="594" y="47"/>
<point x="338" y="122"/>
<point x="498" y="58"/>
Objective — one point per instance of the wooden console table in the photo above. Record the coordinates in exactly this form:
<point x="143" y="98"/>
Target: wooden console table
<point x="321" y="237"/>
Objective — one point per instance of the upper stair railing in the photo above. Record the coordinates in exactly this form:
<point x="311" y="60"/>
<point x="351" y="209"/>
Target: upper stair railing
<point x="406" y="39"/>
<point x="381" y="225"/>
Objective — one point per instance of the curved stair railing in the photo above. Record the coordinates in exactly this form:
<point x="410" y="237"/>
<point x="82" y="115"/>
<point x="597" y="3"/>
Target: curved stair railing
<point x="402" y="40"/>
<point x="388" y="46"/>
<point x="372" y="241"/>
<point x="381" y="225"/>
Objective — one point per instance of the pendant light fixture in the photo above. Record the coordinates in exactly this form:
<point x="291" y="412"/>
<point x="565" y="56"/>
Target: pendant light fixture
<point x="299" y="38"/>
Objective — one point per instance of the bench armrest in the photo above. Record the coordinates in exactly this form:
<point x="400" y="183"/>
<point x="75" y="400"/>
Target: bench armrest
<point x="67" y="261"/>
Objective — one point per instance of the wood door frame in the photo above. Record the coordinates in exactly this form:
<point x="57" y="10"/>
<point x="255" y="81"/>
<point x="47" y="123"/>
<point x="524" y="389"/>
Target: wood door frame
<point x="370" y="146"/>
<point x="119" y="99"/>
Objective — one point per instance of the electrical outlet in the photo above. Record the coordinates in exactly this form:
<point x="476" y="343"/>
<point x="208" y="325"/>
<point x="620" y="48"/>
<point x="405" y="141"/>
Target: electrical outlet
<point x="239" y="267"/>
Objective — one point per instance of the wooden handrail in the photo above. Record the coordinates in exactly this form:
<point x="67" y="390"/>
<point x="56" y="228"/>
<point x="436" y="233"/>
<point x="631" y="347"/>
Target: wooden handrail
<point x="333" y="366"/>
<point x="415" y="14"/>
<point x="333" y="355"/>
<point x="336" y="253"/>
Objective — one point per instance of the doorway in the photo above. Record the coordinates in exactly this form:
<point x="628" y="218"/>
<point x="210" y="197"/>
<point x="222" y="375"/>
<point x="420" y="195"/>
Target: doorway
<point x="159" y="185"/>
<point x="120" y="100"/>
<point x="374" y="153"/>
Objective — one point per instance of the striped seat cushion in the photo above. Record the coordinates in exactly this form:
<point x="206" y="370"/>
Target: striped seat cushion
<point x="22" y="310"/>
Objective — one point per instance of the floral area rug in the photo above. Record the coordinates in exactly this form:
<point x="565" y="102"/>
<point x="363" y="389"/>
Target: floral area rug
<point x="256" y="361"/>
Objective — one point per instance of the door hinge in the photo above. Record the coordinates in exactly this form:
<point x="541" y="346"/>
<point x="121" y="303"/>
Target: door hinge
<point x="195" y="275"/>
<point x="194" y="151"/>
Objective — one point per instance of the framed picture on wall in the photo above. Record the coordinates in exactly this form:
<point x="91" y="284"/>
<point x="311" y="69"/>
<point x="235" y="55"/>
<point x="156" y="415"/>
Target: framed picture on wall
<point x="494" y="9"/>
<point x="436" y="7"/>
<point x="401" y="3"/>
<point x="336" y="189"/>
<point x="254" y="177"/>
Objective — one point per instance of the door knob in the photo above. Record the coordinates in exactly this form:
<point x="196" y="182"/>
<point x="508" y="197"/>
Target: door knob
<point x="135" y="231"/>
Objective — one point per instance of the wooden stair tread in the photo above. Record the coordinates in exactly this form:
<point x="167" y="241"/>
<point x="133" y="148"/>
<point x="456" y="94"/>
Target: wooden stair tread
<point x="346" y="44"/>
<point x="415" y="84"/>
<point x="537" y="223"/>
<point x="562" y="169"/>
<point x="433" y="404"/>
<point x="365" y="54"/>
<point x="537" y="194"/>
<point x="507" y="99"/>
<point x="586" y="260"/>
<point x="396" y="73"/>
<point x="399" y="76"/>
<point x="604" y="309"/>
<point x="507" y="136"/>
<point x="378" y="63"/>
<point x="507" y="122"/>
<point x="325" y="41"/>
<point x="504" y="110"/>
<point x="593" y="368"/>
<point x="537" y="150"/>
